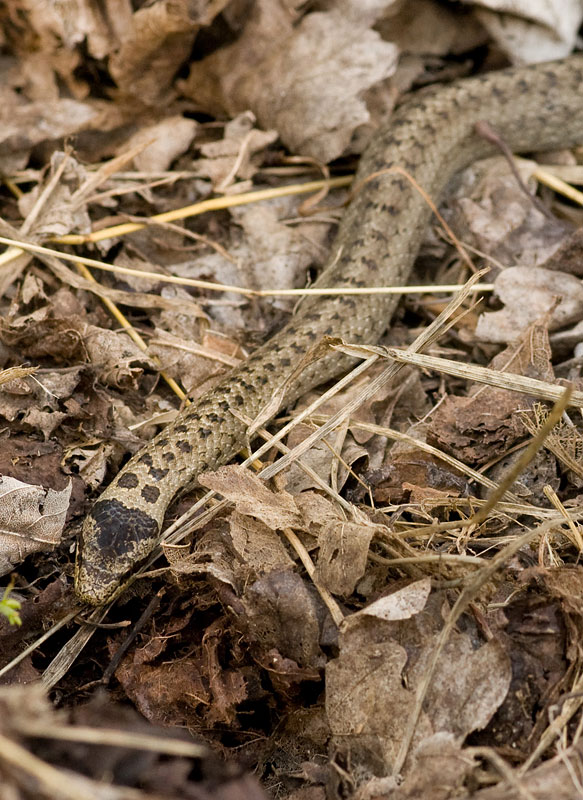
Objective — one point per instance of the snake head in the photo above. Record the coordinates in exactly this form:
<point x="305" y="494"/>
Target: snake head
<point x="114" y="539"/>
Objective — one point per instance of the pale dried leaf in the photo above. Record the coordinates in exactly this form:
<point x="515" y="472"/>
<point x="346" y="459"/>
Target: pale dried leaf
<point x="366" y="698"/>
<point x="498" y="217"/>
<point x="24" y="125"/>
<point x="91" y="464"/>
<point x="527" y="294"/>
<point x="119" y="360"/>
<point x="343" y="555"/>
<point x="399" y="605"/>
<point x="468" y="685"/>
<point x="31" y="519"/>
<point x="59" y="213"/>
<point x="366" y="702"/>
<point x="163" y="142"/>
<point x="532" y="30"/>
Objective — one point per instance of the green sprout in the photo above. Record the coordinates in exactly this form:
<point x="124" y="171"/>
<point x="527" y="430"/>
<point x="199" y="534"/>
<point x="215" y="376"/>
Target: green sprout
<point x="10" y="606"/>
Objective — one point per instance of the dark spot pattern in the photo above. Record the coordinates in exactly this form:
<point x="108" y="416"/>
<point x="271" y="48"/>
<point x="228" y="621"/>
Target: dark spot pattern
<point x="157" y="474"/>
<point x="150" y="494"/>
<point x="128" y="480"/>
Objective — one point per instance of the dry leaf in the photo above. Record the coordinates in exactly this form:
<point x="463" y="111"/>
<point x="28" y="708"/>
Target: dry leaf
<point x="31" y="519"/>
<point x="497" y="216"/>
<point x="306" y="81"/>
<point x="282" y="613"/>
<point x="399" y="605"/>
<point x="156" y="45"/>
<point x="367" y="703"/>
<point x="163" y="142"/>
<point x="479" y="428"/>
<point x="527" y="293"/>
<point x="532" y="30"/>
<point x="257" y="544"/>
<point x="60" y="213"/>
<point x="343" y="555"/>
<point x="251" y="496"/>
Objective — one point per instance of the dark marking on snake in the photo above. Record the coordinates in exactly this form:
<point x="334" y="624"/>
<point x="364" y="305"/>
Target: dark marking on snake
<point x="129" y="480"/>
<point x="150" y="493"/>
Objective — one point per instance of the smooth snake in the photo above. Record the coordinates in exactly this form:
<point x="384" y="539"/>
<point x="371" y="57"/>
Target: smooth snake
<point x="431" y="136"/>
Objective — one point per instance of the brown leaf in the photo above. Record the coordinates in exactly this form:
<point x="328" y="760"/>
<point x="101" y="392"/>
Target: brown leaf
<point x="159" y="40"/>
<point x="478" y="428"/>
<point x="283" y="614"/>
<point x="257" y="544"/>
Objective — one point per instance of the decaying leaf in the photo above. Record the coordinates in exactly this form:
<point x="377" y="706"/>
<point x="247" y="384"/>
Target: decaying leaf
<point x="284" y="614"/>
<point x="343" y="555"/>
<point x="252" y="497"/>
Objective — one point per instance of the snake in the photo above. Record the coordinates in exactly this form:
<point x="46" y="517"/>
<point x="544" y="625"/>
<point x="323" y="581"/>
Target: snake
<point x="430" y="137"/>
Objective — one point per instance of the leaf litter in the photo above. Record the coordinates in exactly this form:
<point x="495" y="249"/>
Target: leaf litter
<point x="352" y="626"/>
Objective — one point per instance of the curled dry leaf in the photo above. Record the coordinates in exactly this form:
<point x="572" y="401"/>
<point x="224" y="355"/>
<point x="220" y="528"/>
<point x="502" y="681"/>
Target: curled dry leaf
<point x="532" y="30"/>
<point x="343" y="555"/>
<point x="31" y="519"/>
<point x="478" y="428"/>
<point x="399" y="605"/>
<point x="527" y="293"/>
<point x="158" y="41"/>
<point x="57" y="332"/>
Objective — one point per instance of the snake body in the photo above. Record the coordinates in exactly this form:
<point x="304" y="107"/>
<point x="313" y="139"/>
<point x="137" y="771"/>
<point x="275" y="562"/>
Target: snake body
<point x="431" y="136"/>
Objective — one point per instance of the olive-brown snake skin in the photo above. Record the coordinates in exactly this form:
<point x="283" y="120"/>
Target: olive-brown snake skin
<point x="431" y="136"/>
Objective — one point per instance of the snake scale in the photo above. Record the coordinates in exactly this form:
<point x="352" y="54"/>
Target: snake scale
<point x="431" y="136"/>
